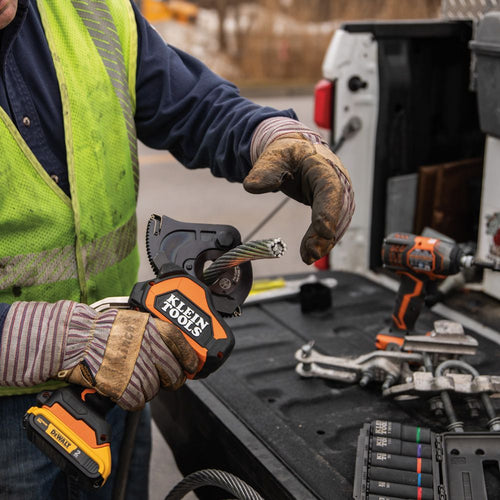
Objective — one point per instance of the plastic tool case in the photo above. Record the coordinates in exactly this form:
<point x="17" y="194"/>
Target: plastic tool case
<point x="401" y="461"/>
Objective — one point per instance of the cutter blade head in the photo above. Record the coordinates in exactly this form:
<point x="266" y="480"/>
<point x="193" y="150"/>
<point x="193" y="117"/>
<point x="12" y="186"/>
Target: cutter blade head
<point x="192" y="247"/>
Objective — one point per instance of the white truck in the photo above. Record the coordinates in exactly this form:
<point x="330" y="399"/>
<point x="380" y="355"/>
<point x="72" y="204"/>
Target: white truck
<point x="425" y="98"/>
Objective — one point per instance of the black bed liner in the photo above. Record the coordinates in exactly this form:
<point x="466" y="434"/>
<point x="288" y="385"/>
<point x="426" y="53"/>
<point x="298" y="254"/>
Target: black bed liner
<point x="294" y="438"/>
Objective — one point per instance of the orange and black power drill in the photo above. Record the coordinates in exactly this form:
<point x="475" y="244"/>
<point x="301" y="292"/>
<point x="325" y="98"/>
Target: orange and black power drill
<point x="420" y="262"/>
<point x="69" y="424"/>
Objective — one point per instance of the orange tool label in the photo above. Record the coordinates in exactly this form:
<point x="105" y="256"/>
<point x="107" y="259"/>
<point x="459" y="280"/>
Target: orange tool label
<point x="184" y="303"/>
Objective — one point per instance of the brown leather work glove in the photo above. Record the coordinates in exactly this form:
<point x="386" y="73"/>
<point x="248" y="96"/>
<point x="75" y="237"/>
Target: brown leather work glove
<point x="141" y="355"/>
<point x="124" y="354"/>
<point x="291" y="158"/>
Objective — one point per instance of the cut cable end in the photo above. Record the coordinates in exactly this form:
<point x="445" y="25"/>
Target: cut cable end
<point x="277" y="247"/>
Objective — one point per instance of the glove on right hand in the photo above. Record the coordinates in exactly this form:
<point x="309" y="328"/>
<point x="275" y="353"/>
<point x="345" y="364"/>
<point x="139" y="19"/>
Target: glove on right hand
<point x="125" y="355"/>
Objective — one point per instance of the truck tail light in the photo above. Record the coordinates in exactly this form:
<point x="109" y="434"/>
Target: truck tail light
<point x="323" y="264"/>
<point x="323" y="103"/>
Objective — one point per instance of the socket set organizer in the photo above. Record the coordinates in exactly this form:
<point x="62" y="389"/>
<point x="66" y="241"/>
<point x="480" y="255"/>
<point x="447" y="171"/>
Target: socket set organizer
<point x="395" y="461"/>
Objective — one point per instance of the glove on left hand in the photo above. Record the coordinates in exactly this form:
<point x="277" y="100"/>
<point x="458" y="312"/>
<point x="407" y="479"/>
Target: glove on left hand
<point x="296" y="162"/>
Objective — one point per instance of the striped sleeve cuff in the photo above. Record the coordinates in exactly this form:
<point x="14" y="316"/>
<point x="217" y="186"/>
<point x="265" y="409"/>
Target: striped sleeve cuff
<point x="348" y="206"/>
<point x="33" y="339"/>
<point x="273" y="128"/>
<point x="88" y="333"/>
<point x="4" y="309"/>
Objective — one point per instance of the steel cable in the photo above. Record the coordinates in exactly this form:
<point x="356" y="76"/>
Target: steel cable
<point x="214" y="477"/>
<point x="272" y="248"/>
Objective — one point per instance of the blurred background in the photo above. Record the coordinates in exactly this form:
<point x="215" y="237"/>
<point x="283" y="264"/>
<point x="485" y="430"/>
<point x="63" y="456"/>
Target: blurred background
<point x="268" y="42"/>
<point x="273" y="50"/>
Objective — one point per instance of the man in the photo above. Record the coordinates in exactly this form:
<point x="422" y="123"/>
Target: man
<point x="80" y="81"/>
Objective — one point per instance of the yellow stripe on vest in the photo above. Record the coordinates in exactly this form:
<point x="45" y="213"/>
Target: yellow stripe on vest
<point x="97" y="18"/>
<point x="59" y="264"/>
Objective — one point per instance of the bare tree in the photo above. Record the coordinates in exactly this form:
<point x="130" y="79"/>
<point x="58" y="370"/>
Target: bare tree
<point x="222" y="8"/>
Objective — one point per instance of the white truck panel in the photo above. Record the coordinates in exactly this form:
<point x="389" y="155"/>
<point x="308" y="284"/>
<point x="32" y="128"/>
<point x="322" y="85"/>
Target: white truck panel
<point x="355" y="54"/>
<point x="489" y="224"/>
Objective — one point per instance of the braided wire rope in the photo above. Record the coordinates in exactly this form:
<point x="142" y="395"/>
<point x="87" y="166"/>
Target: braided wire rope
<point x="271" y="248"/>
<point x="214" y="477"/>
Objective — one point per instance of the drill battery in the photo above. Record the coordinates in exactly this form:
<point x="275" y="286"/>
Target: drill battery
<point x="68" y="425"/>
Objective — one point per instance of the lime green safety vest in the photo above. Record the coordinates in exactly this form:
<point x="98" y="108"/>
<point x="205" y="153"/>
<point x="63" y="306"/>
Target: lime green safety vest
<point x="81" y="248"/>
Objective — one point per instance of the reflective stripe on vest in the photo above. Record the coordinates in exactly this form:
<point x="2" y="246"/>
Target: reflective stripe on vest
<point x="59" y="264"/>
<point x="97" y="18"/>
<point x="81" y="248"/>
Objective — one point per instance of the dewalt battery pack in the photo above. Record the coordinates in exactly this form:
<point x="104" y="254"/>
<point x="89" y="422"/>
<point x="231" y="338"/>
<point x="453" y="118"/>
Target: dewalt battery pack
<point x="69" y="426"/>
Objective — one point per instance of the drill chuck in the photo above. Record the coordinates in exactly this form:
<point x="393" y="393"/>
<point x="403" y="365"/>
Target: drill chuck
<point x="467" y="261"/>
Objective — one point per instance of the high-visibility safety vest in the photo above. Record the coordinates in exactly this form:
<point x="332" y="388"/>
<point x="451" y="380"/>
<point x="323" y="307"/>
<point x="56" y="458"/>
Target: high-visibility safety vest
<point x="81" y="248"/>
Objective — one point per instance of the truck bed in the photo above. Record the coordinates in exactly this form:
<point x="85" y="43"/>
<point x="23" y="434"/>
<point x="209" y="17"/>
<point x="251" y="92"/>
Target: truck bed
<point x="289" y="437"/>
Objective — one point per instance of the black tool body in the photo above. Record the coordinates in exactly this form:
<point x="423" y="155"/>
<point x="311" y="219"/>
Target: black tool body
<point x="69" y="424"/>
<point x="192" y="247"/>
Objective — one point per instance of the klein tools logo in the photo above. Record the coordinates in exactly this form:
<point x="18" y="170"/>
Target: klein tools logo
<point x="184" y="314"/>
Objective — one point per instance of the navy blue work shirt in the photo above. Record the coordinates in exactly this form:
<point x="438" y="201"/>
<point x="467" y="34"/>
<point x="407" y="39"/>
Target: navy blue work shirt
<point x="182" y="106"/>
